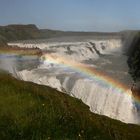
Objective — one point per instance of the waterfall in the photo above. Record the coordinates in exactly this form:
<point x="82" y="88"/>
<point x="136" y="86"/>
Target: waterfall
<point x="102" y="55"/>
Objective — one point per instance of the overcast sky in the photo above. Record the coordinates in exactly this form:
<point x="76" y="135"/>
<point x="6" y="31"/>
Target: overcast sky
<point x="76" y="15"/>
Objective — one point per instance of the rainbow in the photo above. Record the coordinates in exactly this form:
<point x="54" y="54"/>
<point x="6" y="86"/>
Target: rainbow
<point x="90" y="72"/>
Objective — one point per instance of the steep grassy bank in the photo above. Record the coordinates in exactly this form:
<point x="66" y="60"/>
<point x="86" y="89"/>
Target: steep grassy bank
<point x="32" y="112"/>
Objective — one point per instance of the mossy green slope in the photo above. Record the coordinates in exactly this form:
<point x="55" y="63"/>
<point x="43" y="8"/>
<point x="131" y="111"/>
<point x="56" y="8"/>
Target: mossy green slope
<point x="32" y="112"/>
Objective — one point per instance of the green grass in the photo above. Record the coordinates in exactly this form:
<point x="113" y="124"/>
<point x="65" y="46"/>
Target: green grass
<point x="32" y="112"/>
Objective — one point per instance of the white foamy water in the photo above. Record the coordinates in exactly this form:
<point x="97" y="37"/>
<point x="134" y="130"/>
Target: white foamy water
<point x="103" y="55"/>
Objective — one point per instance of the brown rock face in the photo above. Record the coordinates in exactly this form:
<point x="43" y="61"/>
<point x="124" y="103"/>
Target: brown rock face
<point x="136" y="89"/>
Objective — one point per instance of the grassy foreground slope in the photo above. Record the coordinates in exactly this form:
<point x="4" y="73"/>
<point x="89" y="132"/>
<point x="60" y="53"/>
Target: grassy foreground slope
<point x="32" y="112"/>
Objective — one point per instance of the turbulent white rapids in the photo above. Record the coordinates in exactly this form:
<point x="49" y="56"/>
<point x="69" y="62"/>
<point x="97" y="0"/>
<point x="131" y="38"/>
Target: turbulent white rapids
<point x="105" y="56"/>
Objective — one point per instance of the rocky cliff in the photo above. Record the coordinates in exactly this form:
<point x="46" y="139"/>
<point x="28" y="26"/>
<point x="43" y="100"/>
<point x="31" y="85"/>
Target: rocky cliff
<point x="134" y="64"/>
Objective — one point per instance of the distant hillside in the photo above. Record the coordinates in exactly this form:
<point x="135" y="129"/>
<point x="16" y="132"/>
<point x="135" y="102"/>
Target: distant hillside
<point x="27" y="32"/>
<point x="18" y="32"/>
<point x="56" y="33"/>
